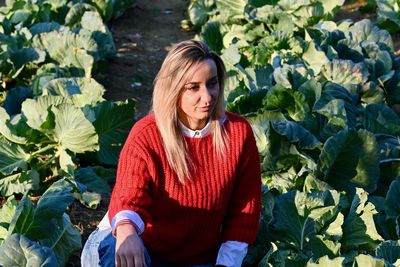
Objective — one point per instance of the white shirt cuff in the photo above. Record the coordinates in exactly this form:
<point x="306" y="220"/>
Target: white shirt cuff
<point x="232" y="253"/>
<point x="130" y="215"/>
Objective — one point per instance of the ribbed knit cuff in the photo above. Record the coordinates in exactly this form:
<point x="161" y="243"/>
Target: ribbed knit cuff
<point x="243" y="230"/>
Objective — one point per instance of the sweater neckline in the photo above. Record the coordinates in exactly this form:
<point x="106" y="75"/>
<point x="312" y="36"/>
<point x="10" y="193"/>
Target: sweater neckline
<point x="202" y="133"/>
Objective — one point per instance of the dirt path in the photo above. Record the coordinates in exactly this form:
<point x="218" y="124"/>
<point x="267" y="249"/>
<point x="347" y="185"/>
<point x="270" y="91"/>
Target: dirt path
<point x="143" y="36"/>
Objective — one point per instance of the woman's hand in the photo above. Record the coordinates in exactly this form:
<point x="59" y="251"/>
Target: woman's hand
<point x="129" y="250"/>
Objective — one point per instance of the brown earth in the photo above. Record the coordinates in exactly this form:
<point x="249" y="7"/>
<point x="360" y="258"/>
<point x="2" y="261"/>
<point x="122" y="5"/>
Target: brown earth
<point x="143" y="35"/>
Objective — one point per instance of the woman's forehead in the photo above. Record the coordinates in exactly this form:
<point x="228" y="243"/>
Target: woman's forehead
<point x="203" y="69"/>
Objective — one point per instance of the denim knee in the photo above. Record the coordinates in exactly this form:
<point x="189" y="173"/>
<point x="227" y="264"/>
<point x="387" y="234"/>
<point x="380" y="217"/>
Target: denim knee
<point x="99" y="250"/>
<point x="90" y="255"/>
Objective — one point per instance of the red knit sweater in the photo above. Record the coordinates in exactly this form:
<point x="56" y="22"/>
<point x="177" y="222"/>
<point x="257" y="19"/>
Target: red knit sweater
<point x="186" y="223"/>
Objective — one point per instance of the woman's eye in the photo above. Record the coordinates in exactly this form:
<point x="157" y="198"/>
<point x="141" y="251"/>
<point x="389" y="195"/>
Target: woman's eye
<point x="192" y="88"/>
<point x="212" y="83"/>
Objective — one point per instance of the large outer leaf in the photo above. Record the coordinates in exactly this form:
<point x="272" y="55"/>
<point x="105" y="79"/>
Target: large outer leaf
<point x="291" y="76"/>
<point x="381" y="119"/>
<point x="92" y="180"/>
<point x="247" y="104"/>
<point x="359" y="230"/>
<point x="326" y="261"/>
<point x="314" y="58"/>
<point x="36" y="110"/>
<point x="338" y="105"/>
<point x="331" y="5"/>
<point x="294" y="132"/>
<point x="392" y="202"/>
<point x="335" y="111"/>
<point x="345" y="72"/>
<point x="293" y="5"/>
<point x="93" y="26"/>
<point x="19" y="251"/>
<point x="113" y="122"/>
<point x="380" y="60"/>
<point x="82" y="91"/>
<point x="76" y="12"/>
<point x="72" y="130"/>
<point x="198" y="12"/>
<point x="15" y="97"/>
<point x="64" y="240"/>
<point x="42" y="27"/>
<point x="261" y="128"/>
<point x="19" y="183"/>
<point x="285" y="255"/>
<point x="26" y="55"/>
<point x="211" y="34"/>
<point x="389" y="15"/>
<point x="231" y="8"/>
<point x="47" y="223"/>
<point x="12" y="157"/>
<point x="6" y="213"/>
<point x="365" y="30"/>
<point x="389" y="250"/>
<point x="349" y="159"/>
<point x="105" y="8"/>
<point x="308" y="14"/>
<point x="40" y="221"/>
<point x="371" y="92"/>
<point x="5" y="129"/>
<point x="367" y="260"/>
<point x="231" y="56"/>
<point x="68" y="49"/>
<point x="298" y="217"/>
<point x="283" y="164"/>
<point x="287" y="100"/>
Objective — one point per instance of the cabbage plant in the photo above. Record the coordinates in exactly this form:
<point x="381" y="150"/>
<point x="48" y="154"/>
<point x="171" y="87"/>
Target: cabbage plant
<point x="321" y="98"/>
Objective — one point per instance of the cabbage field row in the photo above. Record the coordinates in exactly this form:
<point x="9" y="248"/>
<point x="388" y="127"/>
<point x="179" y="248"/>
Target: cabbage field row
<point x="321" y="97"/>
<point x="59" y="138"/>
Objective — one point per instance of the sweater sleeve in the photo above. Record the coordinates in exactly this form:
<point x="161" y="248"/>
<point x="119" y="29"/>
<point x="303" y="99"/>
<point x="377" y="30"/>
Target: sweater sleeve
<point x="243" y="215"/>
<point x="132" y="186"/>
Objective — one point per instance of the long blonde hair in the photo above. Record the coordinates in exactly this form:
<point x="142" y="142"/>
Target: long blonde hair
<point x="168" y="87"/>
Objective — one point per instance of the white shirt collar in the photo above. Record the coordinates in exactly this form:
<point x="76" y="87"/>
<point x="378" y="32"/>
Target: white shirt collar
<point x="199" y="133"/>
<point x="196" y="133"/>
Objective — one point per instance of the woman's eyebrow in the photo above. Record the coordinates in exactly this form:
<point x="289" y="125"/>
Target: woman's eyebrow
<point x="192" y="83"/>
<point x="212" y="78"/>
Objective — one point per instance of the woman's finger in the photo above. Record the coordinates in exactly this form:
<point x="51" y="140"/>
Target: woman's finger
<point x="131" y="263"/>
<point x="139" y="262"/>
<point x="117" y="261"/>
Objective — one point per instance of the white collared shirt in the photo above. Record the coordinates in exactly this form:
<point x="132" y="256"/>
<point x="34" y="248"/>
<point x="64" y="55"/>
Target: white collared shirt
<point x="195" y="133"/>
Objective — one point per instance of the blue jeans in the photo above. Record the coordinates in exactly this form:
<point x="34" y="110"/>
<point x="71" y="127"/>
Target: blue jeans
<point x="99" y="250"/>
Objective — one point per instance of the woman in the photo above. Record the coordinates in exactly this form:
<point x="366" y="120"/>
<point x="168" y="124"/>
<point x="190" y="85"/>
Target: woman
<point x="188" y="184"/>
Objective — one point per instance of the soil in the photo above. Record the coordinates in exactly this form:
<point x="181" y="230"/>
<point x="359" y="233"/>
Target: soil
<point x="143" y="36"/>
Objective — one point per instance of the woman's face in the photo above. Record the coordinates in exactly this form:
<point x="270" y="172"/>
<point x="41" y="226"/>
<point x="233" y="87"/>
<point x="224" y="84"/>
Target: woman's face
<point x="199" y="96"/>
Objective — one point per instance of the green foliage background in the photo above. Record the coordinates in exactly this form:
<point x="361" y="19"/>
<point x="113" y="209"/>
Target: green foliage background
<point x="321" y="98"/>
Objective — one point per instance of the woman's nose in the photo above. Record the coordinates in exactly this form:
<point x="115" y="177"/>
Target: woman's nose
<point x="206" y="94"/>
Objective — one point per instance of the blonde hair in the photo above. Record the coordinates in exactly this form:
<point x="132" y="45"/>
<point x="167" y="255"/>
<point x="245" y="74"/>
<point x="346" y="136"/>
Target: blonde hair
<point x="168" y="87"/>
